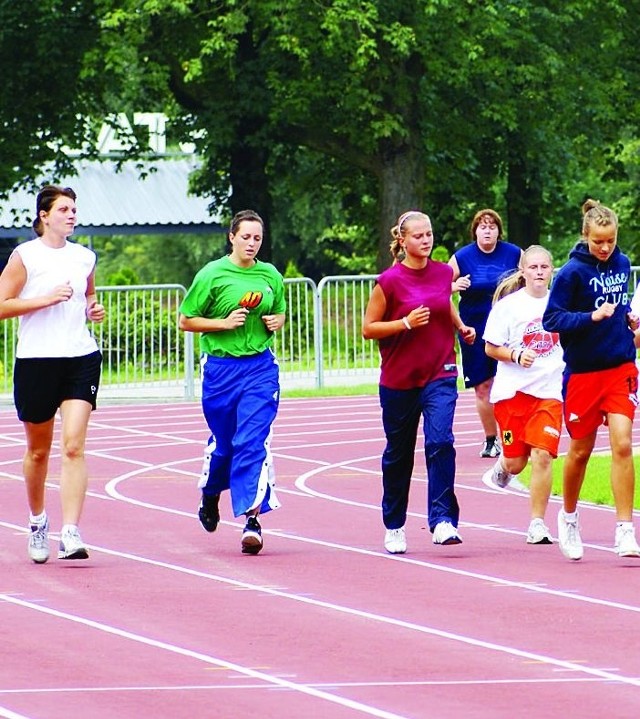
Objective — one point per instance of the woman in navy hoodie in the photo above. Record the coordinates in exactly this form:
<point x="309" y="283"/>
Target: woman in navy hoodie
<point x="589" y="306"/>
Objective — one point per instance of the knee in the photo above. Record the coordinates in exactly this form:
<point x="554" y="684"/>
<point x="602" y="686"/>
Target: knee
<point x="72" y="450"/>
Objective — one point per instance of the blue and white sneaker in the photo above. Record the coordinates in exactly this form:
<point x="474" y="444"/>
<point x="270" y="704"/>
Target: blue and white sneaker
<point x="252" y="536"/>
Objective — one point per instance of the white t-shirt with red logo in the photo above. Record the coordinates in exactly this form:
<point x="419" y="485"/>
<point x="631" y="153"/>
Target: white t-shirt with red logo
<point x="515" y="322"/>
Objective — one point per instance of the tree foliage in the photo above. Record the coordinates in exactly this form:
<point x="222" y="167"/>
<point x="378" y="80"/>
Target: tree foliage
<point x="332" y="117"/>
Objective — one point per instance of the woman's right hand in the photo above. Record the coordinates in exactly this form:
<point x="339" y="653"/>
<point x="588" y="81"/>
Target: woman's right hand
<point x="236" y="318"/>
<point x="462" y="283"/>
<point x="605" y="310"/>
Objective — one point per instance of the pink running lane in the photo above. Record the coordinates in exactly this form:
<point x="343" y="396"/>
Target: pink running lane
<point x="166" y="620"/>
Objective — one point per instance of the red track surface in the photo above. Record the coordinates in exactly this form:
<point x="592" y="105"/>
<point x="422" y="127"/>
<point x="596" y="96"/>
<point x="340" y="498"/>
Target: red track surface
<point x="166" y="620"/>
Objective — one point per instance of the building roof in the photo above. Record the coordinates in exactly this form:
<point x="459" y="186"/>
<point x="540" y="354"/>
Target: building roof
<point x="149" y="197"/>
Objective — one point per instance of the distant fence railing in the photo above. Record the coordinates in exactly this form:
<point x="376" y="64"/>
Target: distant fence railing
<point x="146" y="355"/>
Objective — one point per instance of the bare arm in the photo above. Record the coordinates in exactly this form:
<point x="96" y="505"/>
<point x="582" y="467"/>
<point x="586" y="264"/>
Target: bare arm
<point x="459" y="283"/>
<point x="219" y="324"/>
<point x="524" y="358"/>
<point x="468" y="334"/>
<point x="13" y="280"/>
<point x="95" y="311"/>
<point x="375" y="328"/>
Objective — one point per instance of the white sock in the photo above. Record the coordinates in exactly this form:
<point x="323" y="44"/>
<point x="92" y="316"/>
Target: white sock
<point x="66" y="528"/>
<point x="38" y="519"/>
<point x="624" y="525"/>
<point x="571" y="516"/>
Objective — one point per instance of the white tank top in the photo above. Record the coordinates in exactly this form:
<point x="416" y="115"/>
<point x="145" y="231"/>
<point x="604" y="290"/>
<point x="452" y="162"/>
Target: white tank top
<point x="60" y="330"/>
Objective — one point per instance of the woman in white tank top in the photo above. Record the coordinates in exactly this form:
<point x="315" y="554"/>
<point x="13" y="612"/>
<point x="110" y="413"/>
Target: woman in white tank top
<point x="49" y="284"/>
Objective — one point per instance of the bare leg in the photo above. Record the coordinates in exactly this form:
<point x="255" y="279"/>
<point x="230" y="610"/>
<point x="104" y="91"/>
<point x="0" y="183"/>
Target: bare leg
<point x="575" y="467"/>
<point x="540" y="488"/>
<point x="622" y="469"/>
<point x="485" y="408"/>
<point x="35" y="463"/>
<point x="74" y="478"/>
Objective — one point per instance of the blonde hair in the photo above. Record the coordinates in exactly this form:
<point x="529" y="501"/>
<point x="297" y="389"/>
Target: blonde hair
<point x="515" y="280"/>
<point x="596" y="214"/>
<point x="397" y="252"/>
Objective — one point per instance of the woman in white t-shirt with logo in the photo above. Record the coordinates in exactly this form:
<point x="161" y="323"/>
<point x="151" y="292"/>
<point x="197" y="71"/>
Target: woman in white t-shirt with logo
<point x="527" y="390"/>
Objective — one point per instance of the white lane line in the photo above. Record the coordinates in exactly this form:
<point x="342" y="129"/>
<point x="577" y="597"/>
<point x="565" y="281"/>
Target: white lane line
<point x="565" y="665"/>
<point x="206" y="658"/>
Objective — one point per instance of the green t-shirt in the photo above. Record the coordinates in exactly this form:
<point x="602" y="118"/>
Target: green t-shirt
<point x="221" y="287"/>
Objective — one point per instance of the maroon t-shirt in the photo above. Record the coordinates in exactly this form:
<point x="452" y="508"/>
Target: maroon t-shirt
<point x="412" y="358"/>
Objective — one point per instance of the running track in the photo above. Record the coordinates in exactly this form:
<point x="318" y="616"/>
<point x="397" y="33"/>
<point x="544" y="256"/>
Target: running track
<point x="165" y="620"/>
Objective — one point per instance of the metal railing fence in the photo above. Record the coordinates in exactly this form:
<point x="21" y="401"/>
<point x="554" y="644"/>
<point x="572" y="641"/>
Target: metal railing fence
<point x="146" y="355"/>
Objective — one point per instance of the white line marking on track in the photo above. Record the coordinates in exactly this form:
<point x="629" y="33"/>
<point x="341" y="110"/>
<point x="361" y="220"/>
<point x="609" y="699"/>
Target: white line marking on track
<point x="206" y="658"/>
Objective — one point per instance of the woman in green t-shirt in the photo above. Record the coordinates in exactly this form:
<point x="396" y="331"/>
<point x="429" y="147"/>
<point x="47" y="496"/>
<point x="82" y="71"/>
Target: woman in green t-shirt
<point x="236" y="303"/>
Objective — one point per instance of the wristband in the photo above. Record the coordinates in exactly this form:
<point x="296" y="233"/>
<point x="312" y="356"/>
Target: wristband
<point x="513" y="356"/>
<point x="520" y="356"/>
<point x="406" y="323"/>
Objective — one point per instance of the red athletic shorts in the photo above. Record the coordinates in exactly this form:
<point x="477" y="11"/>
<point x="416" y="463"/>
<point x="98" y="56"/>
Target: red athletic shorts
<point x="590" y="396"/>
<point x="526" y="421"/>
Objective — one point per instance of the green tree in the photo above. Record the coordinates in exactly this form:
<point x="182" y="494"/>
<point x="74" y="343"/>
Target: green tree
<point x="45" y="94"/>
<point x="438" y="101"/>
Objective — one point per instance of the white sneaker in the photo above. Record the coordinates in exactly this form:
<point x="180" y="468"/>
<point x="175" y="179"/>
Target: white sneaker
<point x="39" y="542"/>
<point x="71" y="546"/>
<point x="625" y="543"/>
<point x="538" y="533"/>
<point x="395" y="541"/>
<point x="446" y="533"/>
<point x="569" y="537"/>
<point x="497" y="476"/>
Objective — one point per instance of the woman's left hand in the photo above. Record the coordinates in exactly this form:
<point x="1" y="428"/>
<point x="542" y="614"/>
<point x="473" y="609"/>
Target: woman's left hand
<point x="467" y="334"/>
<point x="95" y="312"/>
<point x="273" y="322"/>
<point x="633" y="321"/>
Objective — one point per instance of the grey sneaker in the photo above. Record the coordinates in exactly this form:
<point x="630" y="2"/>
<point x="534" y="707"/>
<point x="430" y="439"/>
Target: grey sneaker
<point x="71" y="546"/>
<point x="497" y="476"/>
<point x="569" y="537"/>
<point x="39" y="542"/>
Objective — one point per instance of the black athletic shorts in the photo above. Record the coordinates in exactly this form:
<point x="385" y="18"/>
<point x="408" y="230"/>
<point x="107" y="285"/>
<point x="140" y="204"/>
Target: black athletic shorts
<point x="41" y="384"/>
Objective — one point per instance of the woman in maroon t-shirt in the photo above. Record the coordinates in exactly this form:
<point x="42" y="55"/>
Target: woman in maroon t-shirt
<point x="411" y="314"/>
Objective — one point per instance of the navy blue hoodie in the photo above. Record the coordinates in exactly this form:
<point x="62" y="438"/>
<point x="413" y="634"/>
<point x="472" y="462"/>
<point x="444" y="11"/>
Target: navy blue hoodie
<point x="579" y="288"/>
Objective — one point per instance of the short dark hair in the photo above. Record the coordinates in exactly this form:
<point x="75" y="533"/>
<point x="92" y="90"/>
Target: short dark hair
<point x="44" y="202"/>
<point x="242" y="216"/>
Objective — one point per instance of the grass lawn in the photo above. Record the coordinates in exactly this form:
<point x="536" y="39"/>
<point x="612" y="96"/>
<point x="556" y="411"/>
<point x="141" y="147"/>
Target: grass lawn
<point x="597" y="483"/>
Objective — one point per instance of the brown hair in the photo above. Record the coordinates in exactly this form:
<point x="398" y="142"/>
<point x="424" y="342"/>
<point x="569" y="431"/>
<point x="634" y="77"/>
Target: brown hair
<point x="242" y="216"/>
<point x="515" y="280"/>
<point x="44" y="202"/>
<point x="396" y="233"/>
<point x="597" y="214"/>
<point x="477" y="218"/>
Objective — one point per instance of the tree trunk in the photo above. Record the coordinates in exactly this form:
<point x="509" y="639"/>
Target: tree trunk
<point x="524" y="203"/>
<point x="401" y="188"/>
<point x="250" y="188"/>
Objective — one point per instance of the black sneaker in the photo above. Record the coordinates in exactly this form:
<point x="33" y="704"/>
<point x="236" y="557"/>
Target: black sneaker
<point x="491" y="447"/>
<point x="252" y="536"/>
<point x="208" y="512"/>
